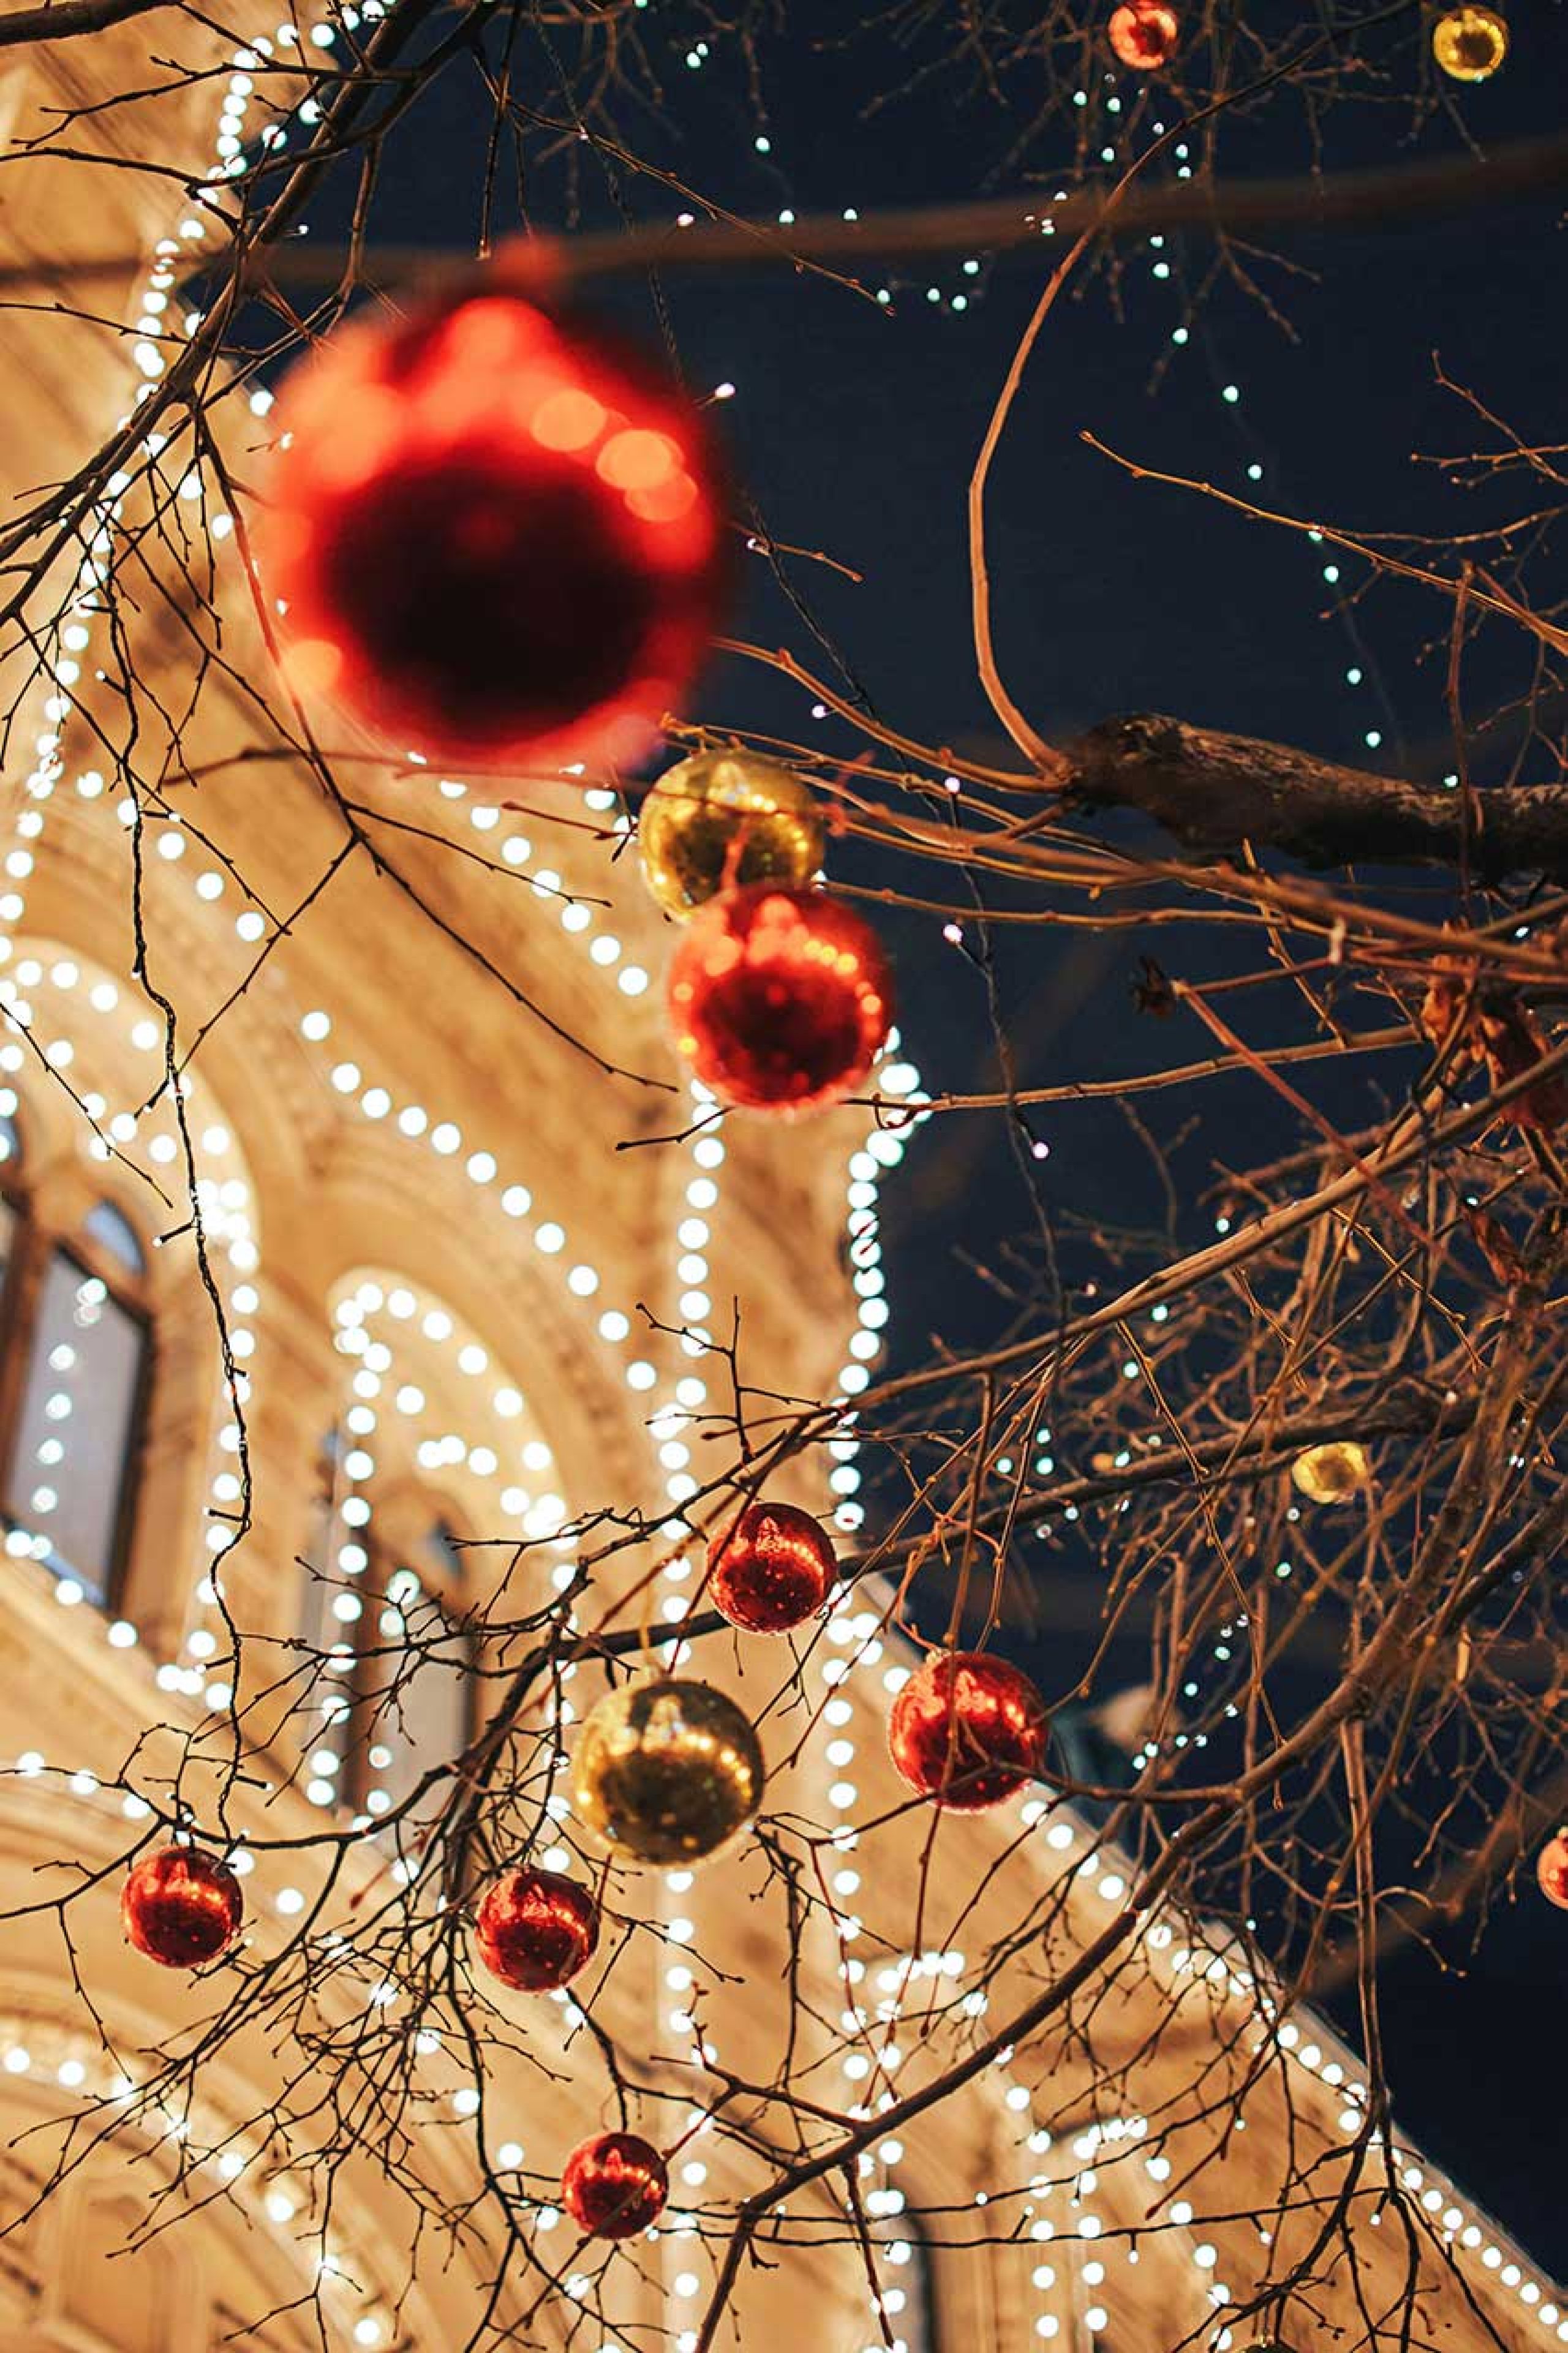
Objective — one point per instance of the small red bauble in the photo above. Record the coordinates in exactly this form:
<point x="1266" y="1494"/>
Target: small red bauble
<point x="495" y="538"/>
<point x="536" y="1929"/>
<point x="772" y="1569"/>
<point x="1551" y="1870"/>
<point x="779" y="1000"/>
<point x="1145" y="34"/>
<point x="967" y="1730"/>
<point x="181" y="1907"/>
<point x="614" y="2186"/>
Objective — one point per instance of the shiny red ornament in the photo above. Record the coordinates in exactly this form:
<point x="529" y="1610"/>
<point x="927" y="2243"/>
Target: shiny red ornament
<point x="495" y="538"/>
<point x="536" y="1929"/>
<point x="967" y="1730"/>
<point x="614" y="2186"/>
<point x="1145" y="35"/>
<point x="779" y="1000"/>
<point x="1551" y="1870"/>
<point x="772" y="1569"/>
<point x="181" y="1907"/>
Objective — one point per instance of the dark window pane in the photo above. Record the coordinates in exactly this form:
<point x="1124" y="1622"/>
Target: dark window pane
<point x="10" y="1223"/>
<point x="117" y="1235"/>
<point x="317" y="1628"/>
<point x="72" y="1455"/>
<point x="423" y="1679"/>
<point x="445" y="1555"/>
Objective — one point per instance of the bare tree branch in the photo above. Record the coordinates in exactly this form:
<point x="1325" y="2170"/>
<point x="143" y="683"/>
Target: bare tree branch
<point x="1216" y="792"/>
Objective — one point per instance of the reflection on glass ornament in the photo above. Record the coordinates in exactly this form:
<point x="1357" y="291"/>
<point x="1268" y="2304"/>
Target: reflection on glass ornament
<point x="722" y="819"/>
<point x="181" y="1907"/>
<point x="967" y="1730"/>
<point x="1470" y="43"/>
<point x="1332" y="1473"/>
<point x="1551" y="1870"/>
<point x="779" y="1000"/>
<point x="536" y="1929"/>
<point x="493" y="536"/>
<point x="771" y="1569"/>
<point x="1144" y="34"/>
<point x="666" y="1771"/>
<point x="614" y="2186"/>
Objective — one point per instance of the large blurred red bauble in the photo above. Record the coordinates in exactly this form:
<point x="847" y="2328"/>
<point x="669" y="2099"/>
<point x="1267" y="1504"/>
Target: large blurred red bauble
<point x="1551" y="1870"/>
<point x="497" y="538"/>
<point x="779" y="1000"/>
<point x="181" y="1907"/>
<point x="967" y="1730"/>
<point x="614" y="2186"/>
<point x="772" y="1569"/>
<point x="1145" y="34"/>
<point x="536" y="1929"/>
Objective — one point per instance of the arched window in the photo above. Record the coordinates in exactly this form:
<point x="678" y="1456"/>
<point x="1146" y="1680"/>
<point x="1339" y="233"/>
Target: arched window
<point x="385" y="1604"/>
<point x="75" y="1362"/>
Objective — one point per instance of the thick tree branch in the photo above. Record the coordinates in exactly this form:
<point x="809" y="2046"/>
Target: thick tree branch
<point x="64" y="20"/>
<point x="1436" y="188"/>
<point x="1215" y="792"/>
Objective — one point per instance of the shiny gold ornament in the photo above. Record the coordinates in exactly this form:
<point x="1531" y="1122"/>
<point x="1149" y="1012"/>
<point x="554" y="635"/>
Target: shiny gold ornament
<point x="666" y="1772"/>
<point x="1332" y="1473"/>
<point x="1470" y="43"/>
<point x="723" y="818"/>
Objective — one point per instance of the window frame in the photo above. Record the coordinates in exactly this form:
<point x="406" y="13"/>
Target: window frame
<point x="357" y="1775"/>
<point x="35" y="1241"/>
<point x="363" y="1684"/>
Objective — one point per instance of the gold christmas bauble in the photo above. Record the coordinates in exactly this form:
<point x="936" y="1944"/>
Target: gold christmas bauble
<point x="721" y="820"/>
<point x="1332" y="1473"/>
<point x="1470" y="43"/>
<point x="666" y="1772"/>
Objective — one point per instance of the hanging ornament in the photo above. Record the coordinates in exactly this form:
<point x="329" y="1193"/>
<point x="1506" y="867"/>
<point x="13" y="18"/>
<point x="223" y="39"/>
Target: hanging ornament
<point x="772" y="1569"/>
<point x="536" y="1929"/>
<point x="967" y="1730"/>
<point x="1144" y="34"/>
<point x="1332" y="1473"/>
<point x="1551" y="1870"/>
<point x="614" y="2186"/>
<point x="722" y="819"/>
<point x="1470" y="43"/>
<point x="493" y="537"/>
<point x="666" y="1772"/>
<point x="181" y="1907"/>
<point x="779" y="1000"/>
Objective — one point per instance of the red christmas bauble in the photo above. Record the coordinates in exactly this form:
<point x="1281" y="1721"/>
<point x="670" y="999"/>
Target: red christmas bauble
<point x="181" y="1907"/>
<point x="536" y="1929"/>
<point x="772" y="1569"/>
<point x="1145" y="34"/>
<point x="779" y="1000"/>
<point x="496" y="538"/>
<point x="967" y="1730"/>
<point x="614" y="2186"/>
<point x="1551" y="1870"/>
